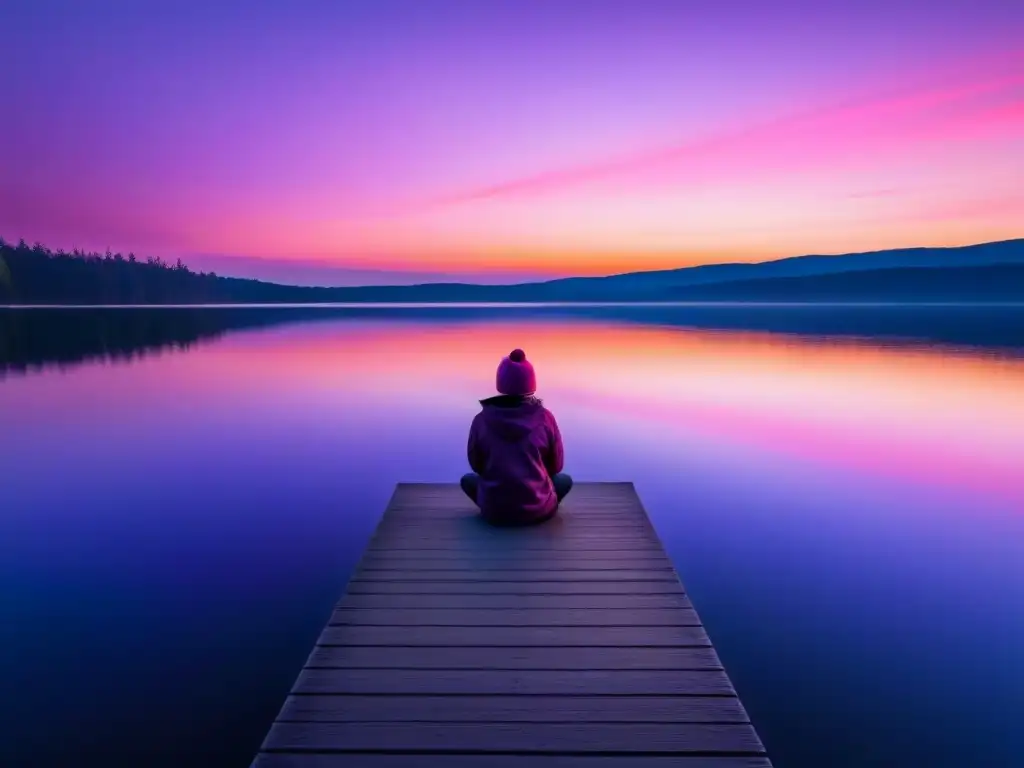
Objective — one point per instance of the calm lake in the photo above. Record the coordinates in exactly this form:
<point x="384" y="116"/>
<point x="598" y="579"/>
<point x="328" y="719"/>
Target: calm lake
<point x="185" y="492"/>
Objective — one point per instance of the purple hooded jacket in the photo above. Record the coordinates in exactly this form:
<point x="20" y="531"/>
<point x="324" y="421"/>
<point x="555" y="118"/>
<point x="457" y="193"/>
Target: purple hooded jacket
<point x="515" y="447"/>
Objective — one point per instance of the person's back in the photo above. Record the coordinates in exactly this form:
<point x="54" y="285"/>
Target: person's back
<point x="515" y="451"/>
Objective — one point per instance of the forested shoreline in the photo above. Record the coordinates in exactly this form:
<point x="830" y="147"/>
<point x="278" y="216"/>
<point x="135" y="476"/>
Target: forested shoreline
<point x="37" y="275"/>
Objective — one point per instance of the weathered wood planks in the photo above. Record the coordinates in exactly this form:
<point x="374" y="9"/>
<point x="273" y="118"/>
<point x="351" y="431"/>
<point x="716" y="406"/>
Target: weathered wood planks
<point x="568" y="645"/>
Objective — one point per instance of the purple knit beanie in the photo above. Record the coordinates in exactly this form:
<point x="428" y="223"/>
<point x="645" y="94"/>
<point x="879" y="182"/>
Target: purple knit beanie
<point x="515" y="375"/>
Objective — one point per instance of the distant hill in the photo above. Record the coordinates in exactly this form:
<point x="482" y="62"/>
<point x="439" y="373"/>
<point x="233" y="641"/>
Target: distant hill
<point x="1002" y="252"/>
<point x="985" y="272"/>
<point x="991" y="282"/>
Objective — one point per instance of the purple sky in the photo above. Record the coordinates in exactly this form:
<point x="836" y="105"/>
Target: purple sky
<point x="326" y="141"/>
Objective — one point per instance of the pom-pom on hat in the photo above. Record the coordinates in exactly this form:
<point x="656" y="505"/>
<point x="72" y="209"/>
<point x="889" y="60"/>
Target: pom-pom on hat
<point x="515" y="375"/>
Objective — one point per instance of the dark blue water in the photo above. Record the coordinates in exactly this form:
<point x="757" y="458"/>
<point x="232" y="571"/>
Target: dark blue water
<point x="184" y="493"/>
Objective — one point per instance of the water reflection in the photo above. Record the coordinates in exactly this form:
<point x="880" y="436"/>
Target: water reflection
<point x="844" y="507"/>
<point x="35" y="338"/>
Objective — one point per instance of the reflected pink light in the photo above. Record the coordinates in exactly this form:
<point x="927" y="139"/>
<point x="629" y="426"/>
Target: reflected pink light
<point x="924" y="415"/>
<point x="890" y="455"/>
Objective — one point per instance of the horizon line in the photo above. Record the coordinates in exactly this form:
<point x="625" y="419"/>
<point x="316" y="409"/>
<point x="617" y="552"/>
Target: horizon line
<point x="537" y="279"/>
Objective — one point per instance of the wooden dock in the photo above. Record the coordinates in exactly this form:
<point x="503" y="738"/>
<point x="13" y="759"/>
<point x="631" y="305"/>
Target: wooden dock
<point x="567" y="645"/>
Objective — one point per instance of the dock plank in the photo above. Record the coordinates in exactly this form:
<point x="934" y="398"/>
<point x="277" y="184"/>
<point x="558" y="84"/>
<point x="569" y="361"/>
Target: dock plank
<point x="522" y="563"/>
<point x="572" y="537"/>
<point x="429" y="586"/>
<point x="572" y="643"/>
<point x="535" y="658"/>
<point x="510" y="709"/>
<point x="515" y="601"/>
<point x="516" y="617"/>
<point x="731" y="738"/>
<point x="518" y="576"/>
<point x="408" y="545"/>
<point x="463" y="527"/>
<point x="447" y="560"/>
<point x="531" y="682"/>
<point x="512" y="637"/>
<point x="430" y="760"/>
<point x="523" y="547"/>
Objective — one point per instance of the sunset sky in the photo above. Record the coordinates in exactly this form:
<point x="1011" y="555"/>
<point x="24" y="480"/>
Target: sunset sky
<point x="320" y="142"/>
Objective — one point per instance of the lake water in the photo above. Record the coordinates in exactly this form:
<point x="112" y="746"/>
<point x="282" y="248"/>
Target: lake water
<point x="185" y="492"/>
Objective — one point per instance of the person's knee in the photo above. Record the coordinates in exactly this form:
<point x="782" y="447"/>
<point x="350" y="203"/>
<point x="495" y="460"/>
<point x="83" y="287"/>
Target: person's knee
<point x="562" y="483"/>
<point x="469" y="484"/>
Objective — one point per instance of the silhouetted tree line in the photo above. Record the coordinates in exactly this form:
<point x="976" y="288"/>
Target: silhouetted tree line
<point x="36" y="274"/>
<point x="39" y="275"/>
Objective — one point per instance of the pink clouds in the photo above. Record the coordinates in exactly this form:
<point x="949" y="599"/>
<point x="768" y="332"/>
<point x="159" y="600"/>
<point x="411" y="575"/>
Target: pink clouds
<point x="1009" y="204"/>
<point x="831" y="135"/>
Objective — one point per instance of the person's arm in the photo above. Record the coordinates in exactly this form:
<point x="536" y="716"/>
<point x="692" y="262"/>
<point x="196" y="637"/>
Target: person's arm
<point x="554" y="459"/>
<point x="475" y="449"/>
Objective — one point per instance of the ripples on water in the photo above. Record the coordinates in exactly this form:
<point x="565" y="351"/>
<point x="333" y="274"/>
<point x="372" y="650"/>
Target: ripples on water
<point x="186" y="490"/>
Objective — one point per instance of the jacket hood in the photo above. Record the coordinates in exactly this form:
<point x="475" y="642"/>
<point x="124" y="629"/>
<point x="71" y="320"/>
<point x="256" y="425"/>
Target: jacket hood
<point x="512" y="417"/>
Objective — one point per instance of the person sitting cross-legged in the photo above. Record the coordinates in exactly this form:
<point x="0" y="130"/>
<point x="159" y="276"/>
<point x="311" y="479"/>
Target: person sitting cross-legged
<point x="515" y="451"/>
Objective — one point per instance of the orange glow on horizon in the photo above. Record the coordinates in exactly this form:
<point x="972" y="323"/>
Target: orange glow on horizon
<point x="540" y="263"/>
